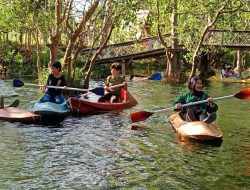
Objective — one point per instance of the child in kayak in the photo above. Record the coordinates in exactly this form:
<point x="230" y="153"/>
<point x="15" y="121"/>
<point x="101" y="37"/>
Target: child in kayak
<point x="228" y="72"/>
<point x="113" y="94"/>
<point x="231" y="74"/>
<point x="224" y="70"/>
<point x="199" y="111"/>
<point x="55" y="79"/>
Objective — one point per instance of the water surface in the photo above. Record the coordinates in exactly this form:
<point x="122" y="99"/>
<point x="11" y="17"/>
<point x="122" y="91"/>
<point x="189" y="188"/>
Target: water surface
<point x="102" y="152"/>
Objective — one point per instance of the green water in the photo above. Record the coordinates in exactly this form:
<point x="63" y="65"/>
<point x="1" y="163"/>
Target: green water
<point x="102" y="152"/>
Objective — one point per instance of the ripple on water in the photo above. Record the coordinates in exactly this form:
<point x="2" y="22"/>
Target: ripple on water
<point x="101" y="152"/>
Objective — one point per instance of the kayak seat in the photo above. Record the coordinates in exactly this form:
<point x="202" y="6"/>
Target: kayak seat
<point x="123" y="97"/>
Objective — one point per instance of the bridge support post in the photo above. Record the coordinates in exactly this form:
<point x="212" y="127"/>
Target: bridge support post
<point x="123" y="68"/>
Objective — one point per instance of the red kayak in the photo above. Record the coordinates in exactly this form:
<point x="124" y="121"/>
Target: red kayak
<point x="84" y="106"/>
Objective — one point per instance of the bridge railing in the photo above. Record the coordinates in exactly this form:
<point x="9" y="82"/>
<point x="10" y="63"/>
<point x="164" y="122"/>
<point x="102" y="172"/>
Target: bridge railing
<point x="131" y="47"/>
<point x="229" y="38"/>
<point x="226" y="38"/>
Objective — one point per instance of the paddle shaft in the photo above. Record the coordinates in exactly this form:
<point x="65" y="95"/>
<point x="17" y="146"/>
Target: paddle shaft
<point x="57" y="87"/>
<point x="9" y="96"/>
<point x="131" y="82"/>
<point x="194" y="103"/>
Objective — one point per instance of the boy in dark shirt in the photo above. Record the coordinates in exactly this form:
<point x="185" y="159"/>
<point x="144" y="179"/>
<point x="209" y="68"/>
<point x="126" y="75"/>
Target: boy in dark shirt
<point x="55" y="79"/>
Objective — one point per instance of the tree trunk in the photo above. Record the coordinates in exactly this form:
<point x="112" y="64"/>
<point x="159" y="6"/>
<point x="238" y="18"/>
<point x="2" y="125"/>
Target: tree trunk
<point x="68" y="57"/>
<point x="53" y="52"/>
<point x="29" y="39"/>
<point x="21" y="38"/>
<point x="92" y="62"/>
<point x="203" y="36"/>
<point x="173" y="63"/>
<point x="38" y="62"/>
<point x="55" y="35"/>
<point x="204" y="65"/>
<point x="75" y="34"/>
<point x="238" y="68"/>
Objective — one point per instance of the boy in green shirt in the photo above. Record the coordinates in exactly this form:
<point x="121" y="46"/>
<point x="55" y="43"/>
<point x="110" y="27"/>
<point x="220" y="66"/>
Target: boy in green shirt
<point x="112" y="80"/>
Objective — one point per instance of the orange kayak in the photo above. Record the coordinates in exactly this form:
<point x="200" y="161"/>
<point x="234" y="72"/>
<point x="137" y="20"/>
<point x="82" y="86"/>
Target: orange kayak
<point x="17" y="115"/>
<point x="197" y="130"/>
<point x="84" y="106"/>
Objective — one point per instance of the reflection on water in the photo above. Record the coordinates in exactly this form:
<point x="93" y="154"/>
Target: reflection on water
<point x="102" y="152"/>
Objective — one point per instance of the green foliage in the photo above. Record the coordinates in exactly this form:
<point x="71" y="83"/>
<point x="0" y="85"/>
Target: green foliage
<point x="148" y="66"/>
<point x="101" y="71"/>
<point x="247" y="60"/>
<point x="10" y="57"/>
<point x="44" y="57"/>
<point x="18" y="58"/>
<point x="44" y="73"/>
<point x="127" y="24"/>
<point x="20" y="16"/>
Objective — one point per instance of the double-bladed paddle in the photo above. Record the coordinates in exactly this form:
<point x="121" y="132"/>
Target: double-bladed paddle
<point x="15" y="103"/>
<point x="98" y="90"/>
<point x="156" y="76"/>
<point x="9" y="96"/>
<point x="243" y="94"/>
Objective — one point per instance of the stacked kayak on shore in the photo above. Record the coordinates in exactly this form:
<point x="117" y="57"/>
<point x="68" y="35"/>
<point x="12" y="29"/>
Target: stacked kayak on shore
<point x="196" y="130"/>
<point x="229" y="80"/>
<point x="80" y="105"/>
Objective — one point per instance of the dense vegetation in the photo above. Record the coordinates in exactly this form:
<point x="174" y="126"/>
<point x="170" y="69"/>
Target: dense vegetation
<point x="34" y="33"/>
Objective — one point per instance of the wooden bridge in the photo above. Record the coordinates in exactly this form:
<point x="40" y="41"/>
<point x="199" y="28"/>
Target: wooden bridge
<point x="132" y="50"/>
<point x="233" y="39"/>
<point x="151" y="47"/>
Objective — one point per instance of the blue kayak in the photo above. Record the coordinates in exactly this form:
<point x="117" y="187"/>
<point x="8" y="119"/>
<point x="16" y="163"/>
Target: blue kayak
<point x="51" y="113"/>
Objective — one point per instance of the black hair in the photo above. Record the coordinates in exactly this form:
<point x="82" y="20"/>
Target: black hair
<point x="116" y="66"/>
<point x="224" y="66"/>
<point x="192" y="82"/>
<point x="57" y="65"/>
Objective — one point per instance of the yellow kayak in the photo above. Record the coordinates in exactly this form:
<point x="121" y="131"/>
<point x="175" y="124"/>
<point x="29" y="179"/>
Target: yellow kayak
<point x="217" y="79"/>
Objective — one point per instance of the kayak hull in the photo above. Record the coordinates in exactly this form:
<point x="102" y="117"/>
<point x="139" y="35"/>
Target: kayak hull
<point x="83" y="106"/>
<point x="12" y="114"/>
<point x="196" y="130"/>
<point x="228" y="80"/>
<point x="51" y="113"/>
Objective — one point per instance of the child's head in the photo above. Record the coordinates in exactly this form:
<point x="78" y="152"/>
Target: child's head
<point x="196" y="84"/>
<point x="56" y="67"/>
<point x="225" y="66"/>
<point x="116" y="69"/>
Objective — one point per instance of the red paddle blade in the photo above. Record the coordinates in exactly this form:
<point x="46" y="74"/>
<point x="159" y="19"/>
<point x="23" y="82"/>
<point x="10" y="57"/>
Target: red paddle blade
<point x="243" y="94"/>
<point x="140" y="116"/>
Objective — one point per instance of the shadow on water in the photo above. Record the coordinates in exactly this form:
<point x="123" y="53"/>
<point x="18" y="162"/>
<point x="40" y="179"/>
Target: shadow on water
<point x="105" y="152"/>
<point x="214" y="143"/>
